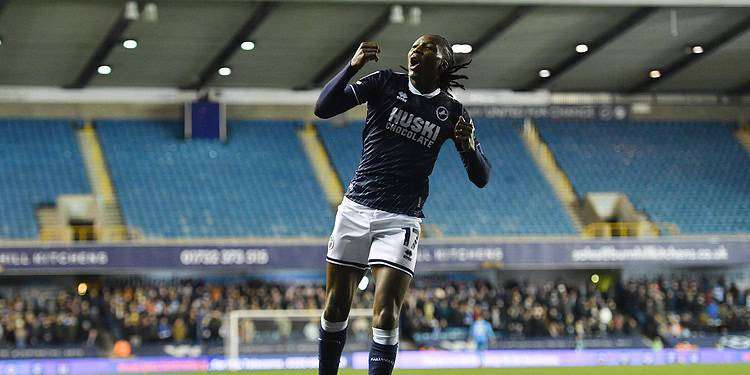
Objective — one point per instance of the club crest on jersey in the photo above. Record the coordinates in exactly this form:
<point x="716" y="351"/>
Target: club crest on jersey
<point x="401" y="96"/>
<point x="413" y="127"/>
<point x="441" y="113"/>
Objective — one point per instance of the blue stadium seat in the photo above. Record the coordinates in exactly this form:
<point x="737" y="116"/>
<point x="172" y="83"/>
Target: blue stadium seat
<point x="693" y="174"/>
<point x="517" y="201"/>
<point x="259" y="184"/>
<point x="39" y="160"/>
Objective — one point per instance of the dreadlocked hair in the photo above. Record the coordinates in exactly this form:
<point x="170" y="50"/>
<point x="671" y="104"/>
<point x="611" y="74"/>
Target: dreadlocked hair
<point x="448" y="77"/>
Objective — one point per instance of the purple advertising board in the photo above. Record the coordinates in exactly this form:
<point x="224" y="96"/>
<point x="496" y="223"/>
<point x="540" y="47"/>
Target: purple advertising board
<point x="359" y="360"/>
<point x="431" y="255"/>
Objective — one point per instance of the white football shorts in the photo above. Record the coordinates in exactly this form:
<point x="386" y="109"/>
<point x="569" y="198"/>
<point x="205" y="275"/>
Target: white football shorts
<point x="363" y="236"/>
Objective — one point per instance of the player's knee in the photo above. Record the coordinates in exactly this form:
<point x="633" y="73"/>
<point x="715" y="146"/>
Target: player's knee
<point x="336" y="312"/>
<point x="385" y="318"/>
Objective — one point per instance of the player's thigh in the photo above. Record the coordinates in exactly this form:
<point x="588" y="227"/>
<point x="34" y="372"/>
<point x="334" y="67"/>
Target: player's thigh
<point x="390" y="288"/>
<point x="341" y="283"/>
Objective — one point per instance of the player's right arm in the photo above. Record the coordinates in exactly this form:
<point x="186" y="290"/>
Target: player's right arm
<point x="337" y="97"/>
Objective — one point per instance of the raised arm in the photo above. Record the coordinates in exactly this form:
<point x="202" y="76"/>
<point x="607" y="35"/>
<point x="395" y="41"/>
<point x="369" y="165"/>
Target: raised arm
<point x="337" y="97"/>
<point x="476" y="164"/>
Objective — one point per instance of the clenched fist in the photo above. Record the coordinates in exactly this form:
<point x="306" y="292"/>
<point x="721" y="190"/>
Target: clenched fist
<point x="465" y="135"/>
<point x="367" y="51"/>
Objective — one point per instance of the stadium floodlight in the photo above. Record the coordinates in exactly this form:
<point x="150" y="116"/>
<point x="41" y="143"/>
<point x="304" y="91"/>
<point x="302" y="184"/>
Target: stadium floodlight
<point x="225" y="71"/>
<point x="461" y="48"/>
<point x="130" y="43"/>
<point x="654" y="74"/>
<point x="151" y="12"/>
<point x="104" y="69"/>
<point x="697" y="49"/>
<point x="582" y="48"/>
<point x="397" y="14"/>
<point x="131" y="11"/>
<point x="247" y="45"/>
<point x="544" y="73"/>
<point x="415" y="16"/>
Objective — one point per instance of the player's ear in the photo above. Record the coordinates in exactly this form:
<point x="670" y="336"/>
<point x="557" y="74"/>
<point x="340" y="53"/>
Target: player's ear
<point x="443" y="65"/>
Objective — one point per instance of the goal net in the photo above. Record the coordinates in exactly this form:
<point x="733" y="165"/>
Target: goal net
<point x="287" y="331"/>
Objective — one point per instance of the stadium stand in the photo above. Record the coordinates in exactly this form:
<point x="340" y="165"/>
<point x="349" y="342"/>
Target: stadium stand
<point x="517" y="201"/>
<point x="692" y="174"/>
<point x="191" y="310"/>
<point x="40" y="161"/>
<point x="258" y="184"/>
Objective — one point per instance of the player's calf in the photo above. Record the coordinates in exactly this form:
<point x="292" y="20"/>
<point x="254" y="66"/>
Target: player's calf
<point x="330" y="345"/>
<point x="384" y="346"/>
<point x="341" y="283"/>
<point x="390" y="286"/>
<point x="383" y="351"/>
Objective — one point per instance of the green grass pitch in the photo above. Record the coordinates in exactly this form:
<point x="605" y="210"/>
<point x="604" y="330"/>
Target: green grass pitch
<point x="624" y="370"/>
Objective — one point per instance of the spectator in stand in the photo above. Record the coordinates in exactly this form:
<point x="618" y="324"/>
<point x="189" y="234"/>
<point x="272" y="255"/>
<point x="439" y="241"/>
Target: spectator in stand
<point x="189" y="311"/>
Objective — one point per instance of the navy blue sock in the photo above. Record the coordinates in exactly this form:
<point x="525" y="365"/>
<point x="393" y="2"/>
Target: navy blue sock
<point x="382" y="359"/>
<point x="330" y="346"/>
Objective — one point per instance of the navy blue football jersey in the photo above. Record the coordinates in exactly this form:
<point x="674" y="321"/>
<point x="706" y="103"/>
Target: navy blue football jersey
<point x="402" y="136"/>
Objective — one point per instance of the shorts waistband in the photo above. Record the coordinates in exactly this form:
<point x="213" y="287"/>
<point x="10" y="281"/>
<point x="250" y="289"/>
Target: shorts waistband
<point x="346" y="202"/>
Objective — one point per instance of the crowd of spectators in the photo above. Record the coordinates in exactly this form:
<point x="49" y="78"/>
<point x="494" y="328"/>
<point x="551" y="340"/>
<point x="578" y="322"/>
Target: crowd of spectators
<point x="657" y="308"/>
<point x="190" y="311"/>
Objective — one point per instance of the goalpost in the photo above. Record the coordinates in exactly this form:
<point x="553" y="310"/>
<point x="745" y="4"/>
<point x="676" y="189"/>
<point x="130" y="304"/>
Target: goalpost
<point x="280" y="320"/>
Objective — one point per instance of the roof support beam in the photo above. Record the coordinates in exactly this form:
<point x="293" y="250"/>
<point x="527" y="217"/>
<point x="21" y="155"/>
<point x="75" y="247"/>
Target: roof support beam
<point x="113" y="37"/>
<point x="261" y="13"/>
<point x="689" y="58"/>
<point x="500" y="27"/>
<point x="602" y="40"/>
<point x="346" y="53"/>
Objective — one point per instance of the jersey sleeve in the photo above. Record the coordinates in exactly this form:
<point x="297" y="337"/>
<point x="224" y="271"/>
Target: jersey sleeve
<point x="370" y="86"/>
<point x="475" y="162"/>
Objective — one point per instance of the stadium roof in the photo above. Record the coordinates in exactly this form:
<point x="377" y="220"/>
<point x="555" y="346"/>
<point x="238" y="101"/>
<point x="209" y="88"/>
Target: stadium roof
<point x="299" y="44"/>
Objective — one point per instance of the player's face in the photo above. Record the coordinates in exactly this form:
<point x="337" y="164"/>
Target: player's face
<point x="424" y="57"/>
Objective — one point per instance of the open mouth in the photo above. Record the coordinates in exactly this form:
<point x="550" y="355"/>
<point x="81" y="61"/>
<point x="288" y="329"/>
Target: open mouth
<point x="414" y="61"/>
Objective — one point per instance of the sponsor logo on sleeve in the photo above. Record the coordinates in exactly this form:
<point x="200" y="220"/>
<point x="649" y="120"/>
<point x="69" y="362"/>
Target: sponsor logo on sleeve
<point x="441" y="113"/>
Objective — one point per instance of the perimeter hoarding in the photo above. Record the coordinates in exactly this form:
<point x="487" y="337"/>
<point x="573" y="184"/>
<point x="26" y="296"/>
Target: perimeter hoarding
<point x="431" y="256"/>
<point x="359" y="360"/>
